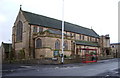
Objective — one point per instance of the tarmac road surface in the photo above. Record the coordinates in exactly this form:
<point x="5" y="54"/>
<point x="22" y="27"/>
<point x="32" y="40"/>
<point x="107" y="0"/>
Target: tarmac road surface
<point x="104" y="68"/>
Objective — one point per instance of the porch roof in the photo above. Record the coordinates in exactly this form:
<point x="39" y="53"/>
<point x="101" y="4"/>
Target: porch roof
<point x="87" y="43"/>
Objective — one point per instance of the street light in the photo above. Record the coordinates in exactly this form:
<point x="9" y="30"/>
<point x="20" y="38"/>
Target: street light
<point x="62" y="32"/>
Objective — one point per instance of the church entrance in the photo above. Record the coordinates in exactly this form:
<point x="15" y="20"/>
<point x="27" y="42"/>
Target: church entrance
<point x="89" y="55"/>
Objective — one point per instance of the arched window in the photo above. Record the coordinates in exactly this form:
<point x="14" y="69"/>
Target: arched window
<point x="57" y="44"/>
<point x="19" y="30"/>
<point x="38" y="43"/>
<point x="65" y="45"/>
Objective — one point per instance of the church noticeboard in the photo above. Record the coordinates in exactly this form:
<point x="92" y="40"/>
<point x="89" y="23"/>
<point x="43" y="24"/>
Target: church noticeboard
<point x="56" y="52"/>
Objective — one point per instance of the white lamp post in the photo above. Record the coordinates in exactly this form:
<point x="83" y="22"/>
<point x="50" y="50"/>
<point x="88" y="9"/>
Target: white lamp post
<point x="63" y="32"/>
<point x="9" y="52"/>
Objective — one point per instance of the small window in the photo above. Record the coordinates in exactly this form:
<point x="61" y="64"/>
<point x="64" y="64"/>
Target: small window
<point x="107" y="52"/>
<point x="80" y="36"/>
<point x="38" y="43"/>
<point x="74" y="36"/>
<point x="95" y="39"/>
<point x="91" y="39"/>
<point x="34" y="29"/>
<point x="70" y="34"/>
<point x="88" y="39"/>
<point x="40" y="29"/>
<point x="83" y="37"/>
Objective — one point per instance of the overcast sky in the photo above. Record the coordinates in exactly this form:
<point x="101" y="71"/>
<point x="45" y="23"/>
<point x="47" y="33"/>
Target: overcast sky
<point x="101" y="15"/>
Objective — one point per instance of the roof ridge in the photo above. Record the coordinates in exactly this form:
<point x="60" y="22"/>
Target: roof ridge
<point x="37" y="19"/>
<point x="41" y="15"/>
<point x="78" y="25"/>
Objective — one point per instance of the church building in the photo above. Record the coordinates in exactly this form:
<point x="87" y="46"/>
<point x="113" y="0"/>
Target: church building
<point x="36" y="36"/>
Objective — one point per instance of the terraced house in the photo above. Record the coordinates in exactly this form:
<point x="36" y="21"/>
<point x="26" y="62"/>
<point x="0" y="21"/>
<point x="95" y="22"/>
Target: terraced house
<point x="37" y="36"/>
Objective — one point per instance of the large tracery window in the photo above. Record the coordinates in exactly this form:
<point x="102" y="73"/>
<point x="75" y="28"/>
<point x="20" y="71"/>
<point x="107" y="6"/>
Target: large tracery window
<point x="19" y="30"/>
<point x="57" y="44"/>
<point x="38" y="43"/>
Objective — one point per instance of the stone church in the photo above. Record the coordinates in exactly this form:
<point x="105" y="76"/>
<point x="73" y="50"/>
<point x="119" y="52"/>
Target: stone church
<point x="36" y="36"/>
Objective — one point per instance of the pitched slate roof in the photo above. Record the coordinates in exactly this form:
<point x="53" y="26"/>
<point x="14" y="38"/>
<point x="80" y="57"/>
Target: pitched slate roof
<point x="35" y="19"/>
<point x="55" y="32"/>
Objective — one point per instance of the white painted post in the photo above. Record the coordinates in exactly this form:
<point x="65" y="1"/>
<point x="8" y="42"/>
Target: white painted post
<point x="63" y="32"/>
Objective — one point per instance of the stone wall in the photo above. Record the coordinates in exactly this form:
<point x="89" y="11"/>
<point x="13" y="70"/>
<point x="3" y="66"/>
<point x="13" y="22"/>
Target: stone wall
<point x="43" y="53"/>
<point x="24" y="44"/>
<point x="48" y="47"/>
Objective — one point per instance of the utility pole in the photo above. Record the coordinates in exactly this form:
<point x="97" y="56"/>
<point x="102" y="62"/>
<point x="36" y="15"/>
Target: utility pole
<point x="62" y="32"/>
<point x="9" y="52"/>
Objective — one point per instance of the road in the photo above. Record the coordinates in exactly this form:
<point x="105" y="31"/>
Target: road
<point x="101" y="68"/>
